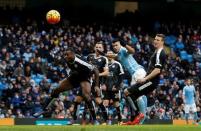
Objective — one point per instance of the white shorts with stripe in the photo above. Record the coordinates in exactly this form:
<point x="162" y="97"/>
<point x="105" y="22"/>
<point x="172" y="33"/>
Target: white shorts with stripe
<point x="190" y="107"/>
<point x="139" y="74"/>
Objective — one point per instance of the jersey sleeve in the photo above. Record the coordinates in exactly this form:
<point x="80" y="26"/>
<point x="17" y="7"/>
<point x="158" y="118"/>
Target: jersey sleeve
<point x="121" y="70"/>
<point x="160" y="60"/>
<point x="87" y="65"/>
<point x="194" y="90"/>
<point x="106" y="62"/>
<point x="123" y="51"/>
<point x="184" y="90"/>
<point x="89" y="58"/>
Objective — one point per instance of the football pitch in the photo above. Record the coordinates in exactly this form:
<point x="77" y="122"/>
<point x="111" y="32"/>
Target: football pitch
<point x="102" y="128"/>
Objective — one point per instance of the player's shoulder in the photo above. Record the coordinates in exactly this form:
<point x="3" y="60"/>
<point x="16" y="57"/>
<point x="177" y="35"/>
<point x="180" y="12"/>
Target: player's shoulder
<point x="104" y="57"/>
<point x="117" y="63"/>
<point x="90" y="57"/>
<point x="122" y="49"/>
<point x="185" y="86"/>
<point x="82" y="62"/>
<point x="163" y="53"/>
<point x="80" y="57"/>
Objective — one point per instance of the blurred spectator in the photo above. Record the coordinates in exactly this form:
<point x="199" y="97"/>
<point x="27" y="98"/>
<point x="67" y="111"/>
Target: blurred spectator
<point x="31" y="64"/>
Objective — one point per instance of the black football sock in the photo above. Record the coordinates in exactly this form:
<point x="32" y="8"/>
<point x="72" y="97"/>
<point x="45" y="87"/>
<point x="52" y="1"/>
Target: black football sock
<point x="103" y="109"/>
<point x="118" y="113"/>
<point x="91" y="109"/>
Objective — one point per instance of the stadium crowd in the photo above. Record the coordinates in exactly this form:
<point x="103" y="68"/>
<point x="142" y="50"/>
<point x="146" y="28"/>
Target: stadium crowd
<point x="30" y="70"/>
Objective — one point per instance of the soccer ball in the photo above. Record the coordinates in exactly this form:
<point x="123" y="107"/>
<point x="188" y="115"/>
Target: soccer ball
<point x="53" y="17"/>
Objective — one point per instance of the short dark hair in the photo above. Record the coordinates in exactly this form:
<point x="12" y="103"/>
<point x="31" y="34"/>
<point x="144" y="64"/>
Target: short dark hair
<point x="70" y="49"/>
<point x="120" y="40"/>
<point x="188" y="78"/>
<point x="116" y="40"/>
<point x="162" y="36"/>
<point x="100" y="42"/>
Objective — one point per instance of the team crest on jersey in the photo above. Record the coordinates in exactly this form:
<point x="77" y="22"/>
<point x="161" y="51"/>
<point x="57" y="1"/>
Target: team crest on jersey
<point x="113" y="66"/>
<point x="99" y="60"/>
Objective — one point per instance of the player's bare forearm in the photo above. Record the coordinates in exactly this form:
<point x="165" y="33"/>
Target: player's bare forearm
<point x="114" y="56"/>
<point x="154" y="73"/>
<point x="184" y="99"/>
<point x="130" y="49"/>
<point x="105" y="72"/>
<point x="96" y="74"/>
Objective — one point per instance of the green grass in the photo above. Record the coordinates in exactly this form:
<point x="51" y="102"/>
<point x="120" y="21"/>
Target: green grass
<point x="102" y="128"/>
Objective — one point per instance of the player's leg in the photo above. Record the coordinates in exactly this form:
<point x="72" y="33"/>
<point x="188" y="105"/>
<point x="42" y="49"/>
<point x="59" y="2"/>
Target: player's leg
<point x="194" y="109"/>
<point x="86" y="91"/>
<point x="77" y="101"/>
<point x="106" y="100"/>
<point x="99" y="102"/>
<point x="187" y="110"/>
<point x="139" y="74"/>
<point x="64" y="85"/>
<point x="138" y="90"/>
<point x="86" y="110"/>
<point x="138" y="105"/>
<point x="142" y="104"/>
<point x="133" y="106"/>
<point x="116" y="99"/>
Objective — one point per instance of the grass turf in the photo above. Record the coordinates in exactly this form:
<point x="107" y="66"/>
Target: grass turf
<point x="102" y="128"/>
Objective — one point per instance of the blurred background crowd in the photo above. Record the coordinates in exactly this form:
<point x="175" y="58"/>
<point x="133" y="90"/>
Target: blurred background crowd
<point x="30" y="70"/>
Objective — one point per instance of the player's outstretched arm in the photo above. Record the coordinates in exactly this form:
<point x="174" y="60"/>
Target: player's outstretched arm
<point x="97" y="85"/>
<point x="96" y="74"/>
<point x="105" y="72"/>
<point x="114" y="56"/>
<point x="130" y="49"/>
<point x="154" y="73"/>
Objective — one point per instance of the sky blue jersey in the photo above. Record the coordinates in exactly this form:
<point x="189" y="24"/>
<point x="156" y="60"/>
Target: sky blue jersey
<point x="189" y="94"/>
<point x="127" y="60"/>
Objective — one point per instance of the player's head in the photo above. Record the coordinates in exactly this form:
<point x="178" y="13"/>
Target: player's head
<point x="188" y="81"/>
<point x="99" y="46"/>
<point x="70" y="55"/>
<point x="116" y="45"/>
<point x="159" y="40"/>
<point x="110" y="53"/>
